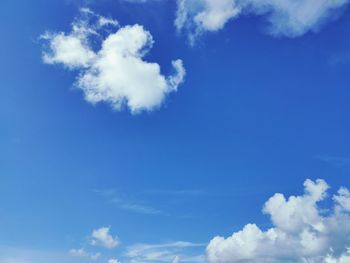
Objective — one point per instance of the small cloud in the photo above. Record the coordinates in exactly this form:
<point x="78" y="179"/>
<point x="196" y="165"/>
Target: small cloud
<point x="102" y="237"/>
<point x="113" y="260"/>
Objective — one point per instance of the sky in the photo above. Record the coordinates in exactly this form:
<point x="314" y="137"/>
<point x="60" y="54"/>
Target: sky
<point x="198" y="131"/>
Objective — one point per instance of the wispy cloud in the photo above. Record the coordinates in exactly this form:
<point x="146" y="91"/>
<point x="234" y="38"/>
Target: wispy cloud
<point x="338" y="161"/>
<point x="179" y="192"/>
<point x="84" y="254"/>
<point x="340" y="58"/>
<point x="113" y="197"/>
<point x="22" y="255"/>
<point x="135" y="207"/>
<point x="179" y="251"/>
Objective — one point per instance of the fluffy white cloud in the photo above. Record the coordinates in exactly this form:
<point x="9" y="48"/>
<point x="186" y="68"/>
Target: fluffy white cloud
<point x="302" y="232"/>
<point x="114" y="72"/>
<point x="102" y="237"/>
<point x="286" y="17"/>
<point x="113" y="260"/>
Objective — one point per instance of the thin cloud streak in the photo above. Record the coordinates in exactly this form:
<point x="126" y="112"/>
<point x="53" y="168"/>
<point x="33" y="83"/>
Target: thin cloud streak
<point x="111" y="195"/>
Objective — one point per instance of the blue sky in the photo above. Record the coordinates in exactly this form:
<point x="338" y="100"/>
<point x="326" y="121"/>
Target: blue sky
<point x="108" y="158"/>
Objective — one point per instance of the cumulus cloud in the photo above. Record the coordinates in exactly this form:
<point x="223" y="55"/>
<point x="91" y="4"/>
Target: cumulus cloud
<point x="113" y="260"/>
<point x="102" y="237"/>
<point x="110" y="62"/>
<point x="302" y="232"/>
<point x="285" y="17"/>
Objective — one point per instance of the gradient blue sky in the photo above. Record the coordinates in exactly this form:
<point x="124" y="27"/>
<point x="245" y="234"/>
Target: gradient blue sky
<point x="256" y="115"/>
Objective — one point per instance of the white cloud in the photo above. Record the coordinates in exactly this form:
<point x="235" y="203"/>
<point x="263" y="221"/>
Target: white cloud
<point x="286" y="17"/>
<point x="113" y="260"/>
<point x="102" y="237"/>
<point x="116" y="73"/>
<point x="302" y="232"/>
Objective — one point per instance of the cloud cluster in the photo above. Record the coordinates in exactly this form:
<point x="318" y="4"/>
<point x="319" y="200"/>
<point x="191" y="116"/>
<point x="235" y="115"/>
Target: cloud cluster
<point x="110" y="63"/>
<point x="289" y="18"/>
<point x="99" y="237"/>
<point x="302" y="232"/>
